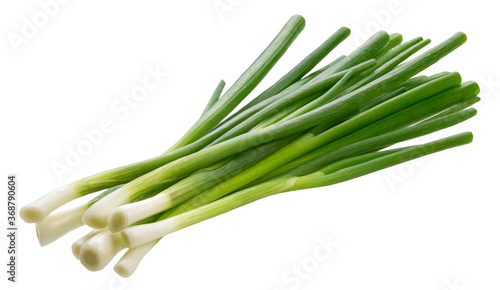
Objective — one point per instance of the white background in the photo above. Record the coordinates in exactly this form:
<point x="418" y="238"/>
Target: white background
<point x="432" y="224"/>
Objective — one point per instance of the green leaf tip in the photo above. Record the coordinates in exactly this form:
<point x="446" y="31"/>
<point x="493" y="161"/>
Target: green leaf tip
<point x="298" y="20"/>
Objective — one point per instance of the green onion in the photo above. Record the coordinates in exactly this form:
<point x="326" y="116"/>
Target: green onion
<point x="311" y="128"/>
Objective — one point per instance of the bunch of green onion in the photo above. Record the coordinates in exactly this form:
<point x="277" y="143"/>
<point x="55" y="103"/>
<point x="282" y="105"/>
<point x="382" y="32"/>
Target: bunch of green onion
<point x="311" y="128"/>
